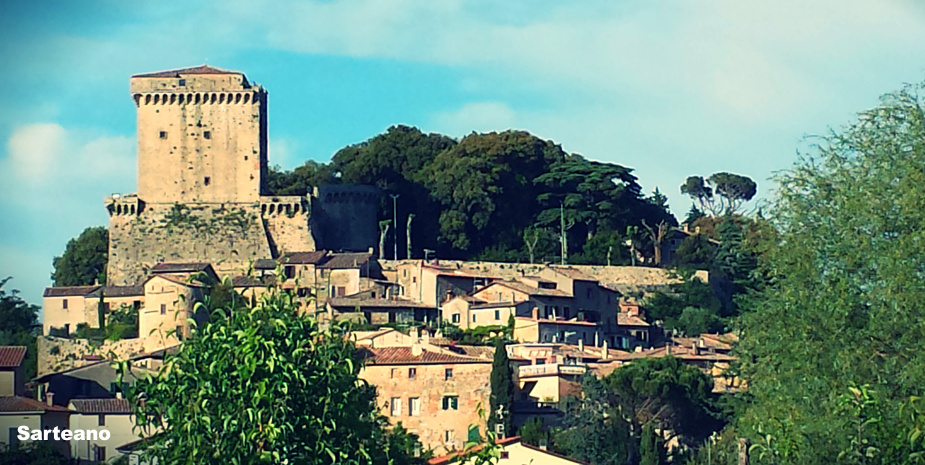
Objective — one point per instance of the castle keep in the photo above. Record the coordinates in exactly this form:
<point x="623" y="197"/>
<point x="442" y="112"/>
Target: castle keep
<point x="202" y="196"/>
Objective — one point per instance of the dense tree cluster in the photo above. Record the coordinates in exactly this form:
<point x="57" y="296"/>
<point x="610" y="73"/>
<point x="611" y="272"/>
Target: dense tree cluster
<point x="19" y="325"/>
<point x="84" y="260"/>
<point x="497" y="196"/>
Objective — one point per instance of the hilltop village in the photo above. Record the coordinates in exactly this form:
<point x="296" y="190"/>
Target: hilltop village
<point x="203" y="218"/>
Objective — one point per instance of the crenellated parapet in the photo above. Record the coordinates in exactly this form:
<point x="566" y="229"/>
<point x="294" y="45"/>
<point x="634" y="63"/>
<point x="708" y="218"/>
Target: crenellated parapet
<point x="244" y="97"/>
<point x="123" y="205"/>
<point x="290" y="205"/>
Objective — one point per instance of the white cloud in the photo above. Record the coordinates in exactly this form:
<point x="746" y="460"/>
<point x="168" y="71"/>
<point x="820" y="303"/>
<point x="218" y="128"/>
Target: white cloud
<point x="481" y="117"/>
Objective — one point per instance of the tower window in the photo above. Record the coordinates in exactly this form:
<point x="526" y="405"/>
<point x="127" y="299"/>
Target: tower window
<point x="181" y="82"/>
<point x="206" y="180"/>
<point x="206" y="134"/>
<point x="163" y="134"/>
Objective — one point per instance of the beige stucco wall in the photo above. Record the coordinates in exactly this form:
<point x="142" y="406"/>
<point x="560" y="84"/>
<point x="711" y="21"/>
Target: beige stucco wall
<point x="470" y="382"/>
<point x="120" y="432"/>
<point x="55" y="315"/>
<point x="15" y="421"/>
<point x="9" y="385"/>
<point x="518" y="454"/>
<point x="177" y="302"/>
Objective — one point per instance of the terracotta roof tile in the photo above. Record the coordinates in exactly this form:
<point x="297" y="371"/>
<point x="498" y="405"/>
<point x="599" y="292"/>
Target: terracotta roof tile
<point x="304" y="258"/>
<point x="12" y="356"/>
<point x="118" y="291"/>
<point x="363" y="302"/>
<point x="96" y="406"/>
<point x="624" y="319"/>
<point x="201" y="69"/>
<point x="67" y="291"/>
<point x="25" y="404"/>
<point x="405" y="355"/>
<point x="528" y="289"/>
<point x="253" y="281"/>
<point x="341" y="261"/>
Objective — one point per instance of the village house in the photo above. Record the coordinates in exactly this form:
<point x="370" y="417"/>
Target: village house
<point x="433" y="392"/>
<point x="11" y="370"/>
<point x="112" y="414"/>
<point x="18" y="411"/>
<point x="515" y="452"/>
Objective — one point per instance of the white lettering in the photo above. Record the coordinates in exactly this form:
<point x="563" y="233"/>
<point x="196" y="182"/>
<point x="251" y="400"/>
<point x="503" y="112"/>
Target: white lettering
<point x="24" y="433"/>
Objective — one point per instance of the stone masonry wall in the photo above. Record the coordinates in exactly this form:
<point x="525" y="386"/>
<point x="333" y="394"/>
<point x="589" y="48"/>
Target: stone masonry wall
<point x="230" y="236"/>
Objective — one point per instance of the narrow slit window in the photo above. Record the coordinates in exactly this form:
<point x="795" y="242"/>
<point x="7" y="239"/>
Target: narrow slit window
<point x="206" y="181"/>
<point x="206" y="134"/>
<point x="163" y="134"/>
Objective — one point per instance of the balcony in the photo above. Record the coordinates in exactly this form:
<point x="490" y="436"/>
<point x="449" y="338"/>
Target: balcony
<point x="550" y="369"/>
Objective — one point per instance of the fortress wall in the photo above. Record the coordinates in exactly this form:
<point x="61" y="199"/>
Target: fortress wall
<point x="344" y="217"/>
<point x="230" y="236"/>
<point x="287" y="222"/>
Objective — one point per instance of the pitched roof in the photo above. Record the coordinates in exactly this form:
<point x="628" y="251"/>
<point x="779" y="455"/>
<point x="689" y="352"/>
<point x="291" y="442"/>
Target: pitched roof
<point x="265" y="264"/>
<point x="12" y="356"/>
<point x="96" y="406"/>
<point x="201" y="69"/>
<point x="25" y="404"/>
<point x="67" y="291"/>
<point x="488" y="305"/>
<point x="118" y="291"/>
<point x="528" y="289"/>
<point x="339" y="261"/>
<point x="190" y="267"/>
<point x="253" y="281"/>
<point x="304" y="258"/>
<point x="625" y="319"/>
<point x="405" y="356"/>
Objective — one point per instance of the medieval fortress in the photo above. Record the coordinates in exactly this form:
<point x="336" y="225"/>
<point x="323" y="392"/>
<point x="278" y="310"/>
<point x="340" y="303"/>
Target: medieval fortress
<point x="202" y="184"/>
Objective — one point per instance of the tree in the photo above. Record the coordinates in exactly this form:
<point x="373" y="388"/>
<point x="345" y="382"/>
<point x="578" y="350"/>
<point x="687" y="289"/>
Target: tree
<point x="533" y="432"/>
<point x="84" y="260"/>
<point x="651" y="447"/>
<point x="595" y="429"/>
<point x="264" y="384"/>
<point x="19" y="325"/>
<point x="841" y="305"/>
<point x="502" y="389"/>
<point x="666" y="393"/>
<point x="720" y="194"/>
<point x="692" y="297"/>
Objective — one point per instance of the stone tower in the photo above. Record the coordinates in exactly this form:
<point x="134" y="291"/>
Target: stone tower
<point x="202" y="136"/>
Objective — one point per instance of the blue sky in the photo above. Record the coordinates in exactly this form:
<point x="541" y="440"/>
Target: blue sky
<point x="669" y="88"/>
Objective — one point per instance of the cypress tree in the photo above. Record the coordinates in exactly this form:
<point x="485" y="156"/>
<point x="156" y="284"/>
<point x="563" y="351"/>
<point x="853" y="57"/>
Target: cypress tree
<point x="502" y="388"/>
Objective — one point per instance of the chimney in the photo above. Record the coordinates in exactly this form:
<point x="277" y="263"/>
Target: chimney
<point x="605" y="354"/>
<point x="119" y="395"/>
<point x="416" y="350"/>
<point x="668" y="349"/>
<point x="536" y="313"/>
<point x="50" y="398"/>
<point x="695" y="349"/>
<point x="581" y="345"/>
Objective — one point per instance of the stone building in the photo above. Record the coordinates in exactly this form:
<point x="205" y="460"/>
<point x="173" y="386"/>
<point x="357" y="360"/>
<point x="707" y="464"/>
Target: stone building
<point x="202" y="184"/>
<point x="432" y="392"/>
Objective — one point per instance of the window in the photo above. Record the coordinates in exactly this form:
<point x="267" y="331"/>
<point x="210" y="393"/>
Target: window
<point x="450" y="403"/>
<point x="396" y="406"/>
<point x="162" y="134"/>
<point x="106" y="307"/>
<point x="505" y="454"/>
<point x="473" y="318"/>
<point x="101" y="420"/>
<point x="412" y="372"/>
<point x="414" y="406"/>
<point x="456" y="318"/>
<point x="448" y="373"/>
<point x="136" y="305"/>
<point x="181" y="82"/>
<point x="290" y="271"/>
<point x="394" y="373"/>
<point x="206" y="134"/>
<point x="449" y="435"/>
<point x="414" y="279"/>
<point x="179" y="333"/>
<point x="497" y="315"/>
<point x="206" y="181"/>
<point x="99" y="453"/>
<point x="163" y="309"/>
<point x="341" y="291"/>
<point x="64" y="304"/>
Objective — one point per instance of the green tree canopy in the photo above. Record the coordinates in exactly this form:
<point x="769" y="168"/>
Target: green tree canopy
<point x="264" y="384"/>
<point x="84" y="260"/>
<point x="720" y="194"/>
<point x="834" y="346"/>
<point x="19" y="325"/>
